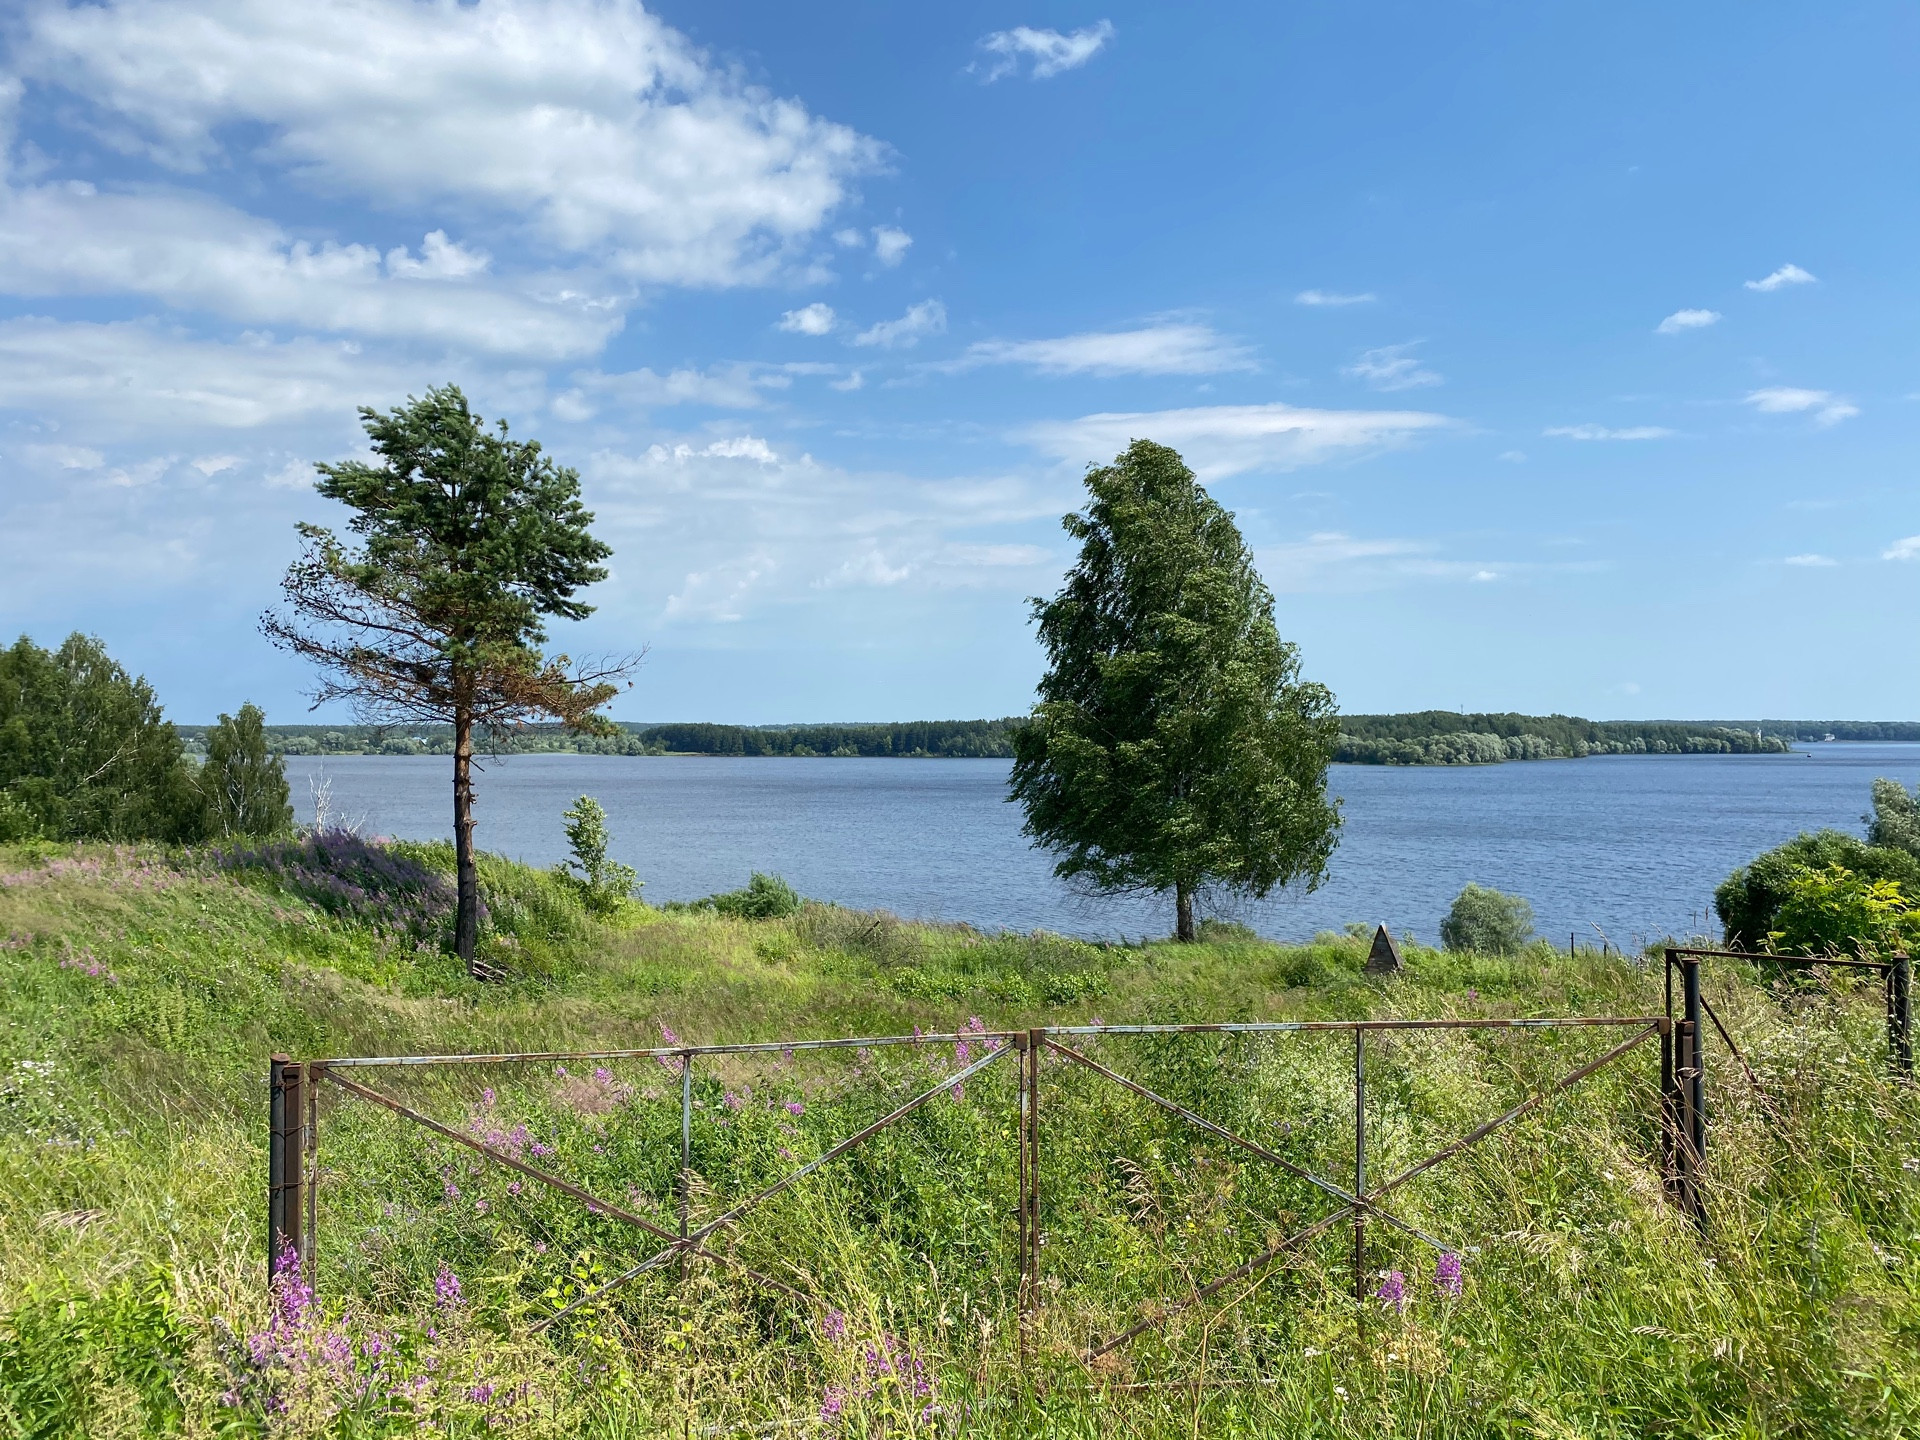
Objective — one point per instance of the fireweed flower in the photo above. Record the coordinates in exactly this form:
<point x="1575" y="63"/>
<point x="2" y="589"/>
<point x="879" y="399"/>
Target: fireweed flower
<point x="446" y="1288"/>
<point x="795" y="1108"/>
<point x="1393" y="1291"/>
<point x="1447" y="1277"/>
<point x="730" y="1100"/>
<point x="833" y="1326"/>
<point x="486" y="1097"/>
<point x="833" y="1403"/>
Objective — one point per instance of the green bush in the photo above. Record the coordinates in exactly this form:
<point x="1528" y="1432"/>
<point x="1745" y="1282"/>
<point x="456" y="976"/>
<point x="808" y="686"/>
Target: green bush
<point x="1487" y="922"/>
<point x="604" y="884"/>
<point x="1748" y="901"/>
<point x="1832" y="911"/>
<point x="766" y="897"/>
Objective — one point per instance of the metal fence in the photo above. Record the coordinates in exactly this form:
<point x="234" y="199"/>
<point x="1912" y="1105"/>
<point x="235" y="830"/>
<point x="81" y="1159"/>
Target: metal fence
<point x="1360" y="1199"/>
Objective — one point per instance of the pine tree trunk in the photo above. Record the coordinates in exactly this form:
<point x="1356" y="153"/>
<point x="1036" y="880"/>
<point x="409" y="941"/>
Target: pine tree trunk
<point x="466" y="923"/>
<point x="1183" y="913"/>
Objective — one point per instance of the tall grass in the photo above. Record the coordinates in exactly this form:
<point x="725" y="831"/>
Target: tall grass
<point x="142" y="993"/>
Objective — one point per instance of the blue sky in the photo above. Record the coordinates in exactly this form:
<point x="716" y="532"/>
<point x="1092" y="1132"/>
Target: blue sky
<point x="1552" y="357"/>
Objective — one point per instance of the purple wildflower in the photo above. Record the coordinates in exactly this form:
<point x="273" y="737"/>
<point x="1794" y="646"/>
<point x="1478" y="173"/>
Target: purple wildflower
<point x="446" y="1287"/>
<point x="833" y="1403"/>
<point x="486" y="1097"/>
<point x="795" y="1108"/>
<point x="834" y="1326"/>
<point x="482" y="1393"/>
<point x="730" y="1100"/>
<point x="603" y="1075"/>
<point x="1393" y="1291"/>
<point x="962" y="1052"/>
<point x="1447" y="1277"/>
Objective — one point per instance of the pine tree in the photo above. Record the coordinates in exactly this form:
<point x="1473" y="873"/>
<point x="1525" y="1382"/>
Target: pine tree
<point x="1174" y="747"/>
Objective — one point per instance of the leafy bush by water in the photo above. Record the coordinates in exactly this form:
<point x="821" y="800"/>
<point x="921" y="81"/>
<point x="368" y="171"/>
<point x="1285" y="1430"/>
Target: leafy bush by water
<point x="1487" y="921"/>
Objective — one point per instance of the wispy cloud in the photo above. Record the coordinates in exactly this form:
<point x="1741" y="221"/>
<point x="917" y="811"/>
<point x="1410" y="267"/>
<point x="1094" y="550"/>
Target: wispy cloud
<point x="1907" y="549"/>
<point x="1391" y="367"/>
<point x="1222" y="440"/>
<point x="1044" y="52"/>
<point x="890" y="244"/>
<point x="1815" y="562"/>
<point x="1784" y="276"/>
<point x="1602" y="432"/>
<point x="1177" y="349"/>
<point x="1681" y="320"/>
<point x="814" y="319"/>
<point x="1827" y="408"/>
<point x="1333" y="297"/>
<point x="929" y="317"/>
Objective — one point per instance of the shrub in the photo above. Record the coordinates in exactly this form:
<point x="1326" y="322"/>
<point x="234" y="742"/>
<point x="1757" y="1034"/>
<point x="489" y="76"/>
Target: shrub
<point x="1895" y="822"/>
<point x="347" y="876"/>
<point x="1748" y="901"/>
<point x="1832" y="911"/>
<point x="766" y="897"/>
<point x="1487" y="921"/>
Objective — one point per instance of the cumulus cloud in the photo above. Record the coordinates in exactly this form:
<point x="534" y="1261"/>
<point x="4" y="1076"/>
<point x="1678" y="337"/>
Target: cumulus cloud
<point x="194" y="253"/>
<point x="1391" y="367"/>
<point x="929" y="317"/>
<point x="1784" y="276"/>
<point x="591" y="123"/>
<point x="1681" y="320"/>
<point x="1907" y="549"/>
<point x="890" y="244"/>
<point x="814" y="319"/>
<point x="1333" y="297"/>
<point x="1603" y="432"/>
<point x="1044" y="53"/>
<point x="1826" y="407"/>
<point x="1223" y="440"/>
<point x="1172" y="349"/>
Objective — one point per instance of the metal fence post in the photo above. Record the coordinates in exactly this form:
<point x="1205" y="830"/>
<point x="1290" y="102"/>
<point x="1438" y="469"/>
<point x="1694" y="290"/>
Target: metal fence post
<point x="1021" y="1041"/>
<point x="286" y="1159"/>
<point x="1360" y="1182"/>
<point x="1692" y="1074"/>
<point x="1900" y="1016"/>
<point x="686" y="1152"/>
<point x="1036" y="1039"/>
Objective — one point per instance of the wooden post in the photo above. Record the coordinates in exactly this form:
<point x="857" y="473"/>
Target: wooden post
<point x="1900" y="1016"/>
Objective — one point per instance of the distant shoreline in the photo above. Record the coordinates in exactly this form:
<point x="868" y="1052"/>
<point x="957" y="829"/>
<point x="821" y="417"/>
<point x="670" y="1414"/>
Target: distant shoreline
<point x="1430" y="737"/>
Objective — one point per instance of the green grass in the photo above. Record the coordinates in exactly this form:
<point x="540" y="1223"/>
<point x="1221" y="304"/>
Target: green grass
<point x="140" y="995"/>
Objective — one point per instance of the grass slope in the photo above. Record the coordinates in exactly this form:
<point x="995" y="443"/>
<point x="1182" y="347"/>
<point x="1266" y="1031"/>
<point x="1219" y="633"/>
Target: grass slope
<point x="141" y="994"/>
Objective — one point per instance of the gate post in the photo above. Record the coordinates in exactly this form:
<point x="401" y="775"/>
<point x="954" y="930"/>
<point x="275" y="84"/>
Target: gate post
<point x="1669" y="1114"/>
<point x="1900" y="1016"/>
<point x="1691" y="1073"/>
<point x="1360" y="1183"/>
<point x="286" y="1159"/>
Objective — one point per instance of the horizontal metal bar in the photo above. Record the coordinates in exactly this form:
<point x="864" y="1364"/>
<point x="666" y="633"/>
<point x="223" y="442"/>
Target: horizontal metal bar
<point x="1806" y="961"/>
<point x="670" y="1052"/>
<point x="593" y="1202"/>
<point x="693" y="1240"/>
<point x="1285" y="1027"/>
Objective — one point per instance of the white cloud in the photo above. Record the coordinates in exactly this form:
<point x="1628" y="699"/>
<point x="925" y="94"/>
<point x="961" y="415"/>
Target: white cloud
<point x="1687" y="320"/>
<point x="740" y="447"/>
<point x="1602" y="432"/>
<point x="66" y="457"/>
<point x="135" y="377"/>
<point x="1333" y="297"/>
<point x="929" y="317"/>
<point x="849" y="238"/>
<point x="1178" y="349"/>
<point x="1223" y="440"/>
<point x="1811" y="561"/>
<point x="890" y="244"/>
<point x="735" y="386"/>
<point x="1046" y="52"/>
<point x="1907" y="549"/>
<point x="192" y="252"/>
<point x="1785" y="275"/>
<point x="814" y="319"/>
<point x="1513" y="457"/>
<point x="591" y="122"/>
<point x="214" y="464"/>
<point x="1827" y="408"/>
<point x="1391" y="367"/>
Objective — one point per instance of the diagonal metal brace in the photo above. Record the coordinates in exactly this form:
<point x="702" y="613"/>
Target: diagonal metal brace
<point x="1253" y="1147"/>
<point x="1326" y="1222"/>
<point x="593" y="1202"/>
<point x="693" y="1240"/>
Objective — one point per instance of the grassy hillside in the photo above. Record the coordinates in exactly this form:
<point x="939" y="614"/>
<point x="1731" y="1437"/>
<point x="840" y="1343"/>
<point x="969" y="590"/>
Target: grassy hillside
<point x="141" y="995"/>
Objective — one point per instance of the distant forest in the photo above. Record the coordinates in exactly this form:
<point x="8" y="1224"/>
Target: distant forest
<point x="1427" y="737"/>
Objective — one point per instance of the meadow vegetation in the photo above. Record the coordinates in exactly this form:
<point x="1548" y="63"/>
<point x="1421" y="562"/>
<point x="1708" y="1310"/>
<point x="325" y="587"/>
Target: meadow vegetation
<point x="142" y="990"/>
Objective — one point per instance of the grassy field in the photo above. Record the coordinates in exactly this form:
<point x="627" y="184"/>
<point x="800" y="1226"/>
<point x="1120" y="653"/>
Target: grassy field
<point x="142" y="993"/>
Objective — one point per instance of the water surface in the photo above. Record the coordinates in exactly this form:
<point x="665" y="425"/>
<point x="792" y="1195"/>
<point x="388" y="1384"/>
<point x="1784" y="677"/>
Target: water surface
<point x="1628" y="845"/>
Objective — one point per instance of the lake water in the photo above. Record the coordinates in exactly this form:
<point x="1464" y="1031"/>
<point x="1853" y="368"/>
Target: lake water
<point x="1629" y="844"/>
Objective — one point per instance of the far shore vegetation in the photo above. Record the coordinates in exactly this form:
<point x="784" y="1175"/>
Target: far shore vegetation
<point x="1425" y="737"/>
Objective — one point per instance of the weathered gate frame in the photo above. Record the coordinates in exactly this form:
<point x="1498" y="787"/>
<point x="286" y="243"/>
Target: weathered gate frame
<point x="293" y="1150"/>
<point x="1683" y="1062"/>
